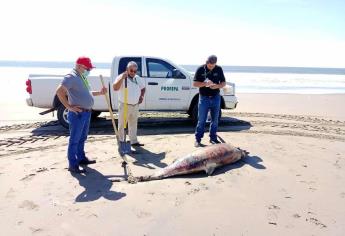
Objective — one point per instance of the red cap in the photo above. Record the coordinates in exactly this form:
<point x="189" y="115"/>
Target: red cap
<point x="85" y="61"/>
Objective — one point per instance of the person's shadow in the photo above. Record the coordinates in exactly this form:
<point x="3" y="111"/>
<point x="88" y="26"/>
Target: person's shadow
<point x="96" y="186"/>
<point x="145" y="157"/>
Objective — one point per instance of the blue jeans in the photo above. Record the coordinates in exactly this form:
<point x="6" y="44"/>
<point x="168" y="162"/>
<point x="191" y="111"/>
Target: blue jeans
<point x="79" y="125"/>
<point x="206" y="104"/>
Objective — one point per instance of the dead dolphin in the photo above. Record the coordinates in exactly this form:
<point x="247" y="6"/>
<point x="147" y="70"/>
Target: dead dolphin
<point x="205" y="159"/>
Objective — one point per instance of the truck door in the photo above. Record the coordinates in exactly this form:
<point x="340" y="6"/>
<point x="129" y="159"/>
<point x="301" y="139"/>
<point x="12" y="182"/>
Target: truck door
<point x="167" y="88"/>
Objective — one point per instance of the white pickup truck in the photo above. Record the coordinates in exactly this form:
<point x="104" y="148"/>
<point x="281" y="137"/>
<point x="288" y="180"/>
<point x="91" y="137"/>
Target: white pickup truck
<point x="169" y="87"/>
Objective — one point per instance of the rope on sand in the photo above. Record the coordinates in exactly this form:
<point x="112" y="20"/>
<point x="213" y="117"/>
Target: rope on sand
<point x="130" y="177"/>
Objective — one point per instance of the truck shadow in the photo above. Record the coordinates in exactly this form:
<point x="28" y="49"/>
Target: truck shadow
<point x="146" y="126"/>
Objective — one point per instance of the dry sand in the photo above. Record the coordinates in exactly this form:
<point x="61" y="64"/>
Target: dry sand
<point x="292" y="182"/>
<point x="330" y="106"/>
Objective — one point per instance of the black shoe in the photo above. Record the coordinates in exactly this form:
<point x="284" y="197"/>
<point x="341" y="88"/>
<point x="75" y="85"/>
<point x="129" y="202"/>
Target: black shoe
<point x="87" y="162"/>
<point x="76" y="170"/>
<point x="197" y="144"/>
<point x="137" y="144"/>
<point x="216" y="141"/>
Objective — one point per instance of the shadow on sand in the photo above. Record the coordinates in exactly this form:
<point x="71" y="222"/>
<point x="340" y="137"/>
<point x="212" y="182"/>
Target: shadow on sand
<point x="145" y="157"/>
<point x="146" y="126"/>
<point x="96" y="186"/>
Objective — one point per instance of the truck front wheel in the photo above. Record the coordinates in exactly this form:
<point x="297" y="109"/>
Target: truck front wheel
<point x="95" y="114"/>
<point x="194" y="115"/>
<point x="62" y="116"/>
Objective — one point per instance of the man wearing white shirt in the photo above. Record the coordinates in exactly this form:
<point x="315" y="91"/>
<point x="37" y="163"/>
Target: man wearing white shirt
<point x="136" y="91"/>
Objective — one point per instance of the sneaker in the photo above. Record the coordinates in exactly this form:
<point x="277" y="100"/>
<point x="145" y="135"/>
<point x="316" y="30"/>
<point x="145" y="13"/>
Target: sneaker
<point x="87" y="162"/>
<point x="76" y="170"/>
<point x="216" y="141"/>
<point x="197" y="144"/>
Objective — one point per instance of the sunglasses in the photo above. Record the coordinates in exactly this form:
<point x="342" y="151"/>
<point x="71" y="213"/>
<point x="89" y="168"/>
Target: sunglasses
<point x="133" y="71"/>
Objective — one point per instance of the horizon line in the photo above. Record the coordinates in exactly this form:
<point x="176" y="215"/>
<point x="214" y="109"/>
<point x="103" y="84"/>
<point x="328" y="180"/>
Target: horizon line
<point x="234" y="68"/>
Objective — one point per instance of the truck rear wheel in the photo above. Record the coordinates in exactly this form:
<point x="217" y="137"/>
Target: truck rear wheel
<point x="194" y="115"/>
<point x="62" y="116"/>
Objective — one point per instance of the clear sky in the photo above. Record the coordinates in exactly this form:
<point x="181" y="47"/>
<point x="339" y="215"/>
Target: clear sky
<point x="257" y="32"/>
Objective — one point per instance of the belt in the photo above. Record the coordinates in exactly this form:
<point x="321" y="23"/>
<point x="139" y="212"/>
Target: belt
<point x="209" y="96"/>
<point x="85" y="110"/>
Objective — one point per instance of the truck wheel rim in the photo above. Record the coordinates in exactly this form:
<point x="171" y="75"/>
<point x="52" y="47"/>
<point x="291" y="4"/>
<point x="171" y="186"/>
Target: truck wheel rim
<point x="65" y="112"/>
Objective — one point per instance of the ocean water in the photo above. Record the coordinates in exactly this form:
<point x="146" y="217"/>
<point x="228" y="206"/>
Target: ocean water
<point x="247" y="79"/>
<point x="287" y="83"/>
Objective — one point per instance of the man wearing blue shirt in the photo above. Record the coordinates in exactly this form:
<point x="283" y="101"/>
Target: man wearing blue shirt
<point x="74" y="93"/>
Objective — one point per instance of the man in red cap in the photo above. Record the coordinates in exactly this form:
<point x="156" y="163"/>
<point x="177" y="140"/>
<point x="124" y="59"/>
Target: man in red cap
<point x="74" y="93"/>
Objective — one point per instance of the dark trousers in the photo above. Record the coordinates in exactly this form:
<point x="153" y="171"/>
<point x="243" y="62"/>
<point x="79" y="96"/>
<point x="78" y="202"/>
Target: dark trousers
<point x="212" y="104"/>
<point x="79" y="125"/>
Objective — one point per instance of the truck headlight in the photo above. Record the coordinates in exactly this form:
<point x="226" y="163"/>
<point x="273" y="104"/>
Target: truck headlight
<point x="227" y="89"/>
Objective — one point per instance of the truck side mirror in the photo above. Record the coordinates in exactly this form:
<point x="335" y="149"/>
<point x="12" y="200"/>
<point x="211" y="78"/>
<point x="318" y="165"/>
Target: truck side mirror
<point x="178" y="74"/>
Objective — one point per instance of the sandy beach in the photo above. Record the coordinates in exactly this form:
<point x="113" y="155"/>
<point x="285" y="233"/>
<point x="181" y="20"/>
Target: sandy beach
<point x="291" y="183"/>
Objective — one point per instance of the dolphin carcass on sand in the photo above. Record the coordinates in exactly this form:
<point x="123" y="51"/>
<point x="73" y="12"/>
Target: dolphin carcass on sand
<point x="205" y="159"/>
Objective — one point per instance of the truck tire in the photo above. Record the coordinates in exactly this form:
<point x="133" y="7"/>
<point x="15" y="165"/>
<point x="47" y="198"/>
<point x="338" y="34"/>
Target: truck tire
<point x="62" y="116"/>
<point x="95" y="114"/>
<point x="194" y="115"/>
